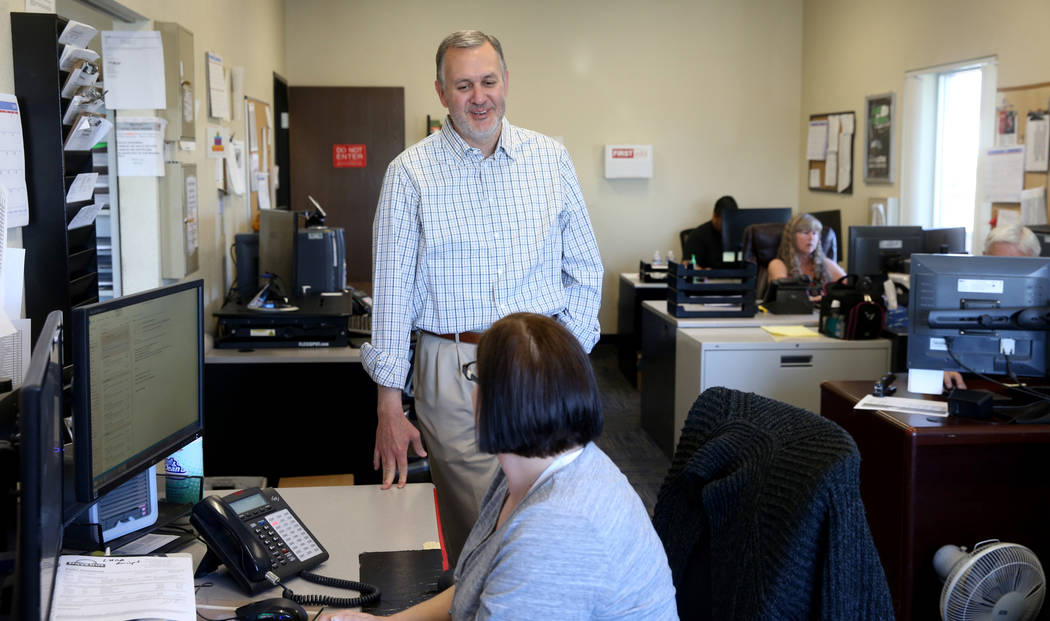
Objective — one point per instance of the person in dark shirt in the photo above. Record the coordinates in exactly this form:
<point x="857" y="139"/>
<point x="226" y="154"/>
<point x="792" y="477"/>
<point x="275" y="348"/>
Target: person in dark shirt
<point x="705" y="241"/>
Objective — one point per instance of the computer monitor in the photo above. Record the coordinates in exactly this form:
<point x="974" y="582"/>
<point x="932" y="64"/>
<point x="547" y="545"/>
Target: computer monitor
<point x="40" y="415"/>
<point x="734" y="221"/>
<point x="944" y="241"/>
<point x="979" y="314"/>
<point x="874" y="250"/>
<point x="138" y="366"/>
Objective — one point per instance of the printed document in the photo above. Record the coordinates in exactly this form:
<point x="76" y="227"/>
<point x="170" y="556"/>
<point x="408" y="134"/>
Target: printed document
<point x="133" y="66"/>
<point x="921" y="407"/>
<point x="1004" y="175"/>
<point x="13" y="163"/>
<point x="82" y="188"/>
<point x="1035" y="139"/>
<point x="124" y="587"/>
<point x="220" y="98"/>
<point x="140" y="146"/>
<point x="817" y="140"/>
<point x="77" y="34"/>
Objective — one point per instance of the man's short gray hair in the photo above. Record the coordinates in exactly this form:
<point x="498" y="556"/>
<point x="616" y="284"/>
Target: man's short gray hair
<point x="1020" y="236"/>
<point x="466" y="39"/>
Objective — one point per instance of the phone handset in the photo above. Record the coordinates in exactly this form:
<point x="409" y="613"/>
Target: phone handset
<point x="229" y="541"/>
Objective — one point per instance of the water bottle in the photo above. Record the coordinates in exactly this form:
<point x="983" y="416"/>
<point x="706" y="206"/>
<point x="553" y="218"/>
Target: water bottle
<point x="657" y="259"/>
<point x="670" y="257"/>
<point x="183" y="464"/>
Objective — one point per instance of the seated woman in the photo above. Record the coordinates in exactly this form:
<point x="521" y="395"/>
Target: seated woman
<point x="800" y="255"/>
<point x="561" y="533"/>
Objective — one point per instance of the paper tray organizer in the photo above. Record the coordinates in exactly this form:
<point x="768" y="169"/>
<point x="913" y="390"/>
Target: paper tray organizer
<point x="647" y="272"/>
<point x="734" y="291"/>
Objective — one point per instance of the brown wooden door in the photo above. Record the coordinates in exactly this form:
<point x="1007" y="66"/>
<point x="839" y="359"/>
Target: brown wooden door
<point x="321" y="117"/>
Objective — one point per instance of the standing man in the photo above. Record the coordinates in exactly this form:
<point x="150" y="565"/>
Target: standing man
<point x="475" y="222"/>
<point x="705" y="242"/>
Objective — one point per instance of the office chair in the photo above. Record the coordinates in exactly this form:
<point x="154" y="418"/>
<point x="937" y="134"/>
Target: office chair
<point x="682" y="236"/>
<point x="761" y="242"/>
<point x="761" y="516"/>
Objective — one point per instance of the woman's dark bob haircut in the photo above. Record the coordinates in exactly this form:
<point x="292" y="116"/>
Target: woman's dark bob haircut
<point x="537" y="393"/>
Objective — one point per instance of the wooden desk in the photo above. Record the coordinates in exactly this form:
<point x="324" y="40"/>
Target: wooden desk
<point x="347" y="520"/>
<point x="277" y="412"/>
<point x="927" y="482"/>
<point x="629" y="319"/>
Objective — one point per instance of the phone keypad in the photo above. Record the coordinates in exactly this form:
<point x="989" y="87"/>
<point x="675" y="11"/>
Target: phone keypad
<point x="297" y="543"/>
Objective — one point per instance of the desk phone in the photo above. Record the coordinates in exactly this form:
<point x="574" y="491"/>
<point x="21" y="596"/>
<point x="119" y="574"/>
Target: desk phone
<point x="252" y="532"/>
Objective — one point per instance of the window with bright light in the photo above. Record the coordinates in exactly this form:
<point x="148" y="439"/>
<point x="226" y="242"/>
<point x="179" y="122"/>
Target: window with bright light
<point x="958" y="134"/>
<point x="947" y="119"/>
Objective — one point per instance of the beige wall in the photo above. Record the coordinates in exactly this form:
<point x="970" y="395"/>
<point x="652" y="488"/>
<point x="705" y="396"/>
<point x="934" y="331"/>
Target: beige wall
<point x="714" y="86"/>
<point x="245" y="32"/>
<point x="853" y="49"/>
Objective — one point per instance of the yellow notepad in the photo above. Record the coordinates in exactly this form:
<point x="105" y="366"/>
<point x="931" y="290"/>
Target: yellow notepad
<point x="790" y="331"/>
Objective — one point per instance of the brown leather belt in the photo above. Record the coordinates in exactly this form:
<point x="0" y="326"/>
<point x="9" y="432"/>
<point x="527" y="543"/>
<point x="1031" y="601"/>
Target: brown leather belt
<point x="463" y="337"/>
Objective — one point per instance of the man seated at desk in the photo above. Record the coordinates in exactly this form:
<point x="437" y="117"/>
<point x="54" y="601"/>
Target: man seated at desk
<point x="561" y="533"/>
<point x="1003" y="241"/>
<point x="705" y="241"/>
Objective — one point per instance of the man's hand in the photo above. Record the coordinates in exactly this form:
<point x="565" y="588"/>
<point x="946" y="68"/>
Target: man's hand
<point x="953" y="380"/>
<point x="393" y="435"/>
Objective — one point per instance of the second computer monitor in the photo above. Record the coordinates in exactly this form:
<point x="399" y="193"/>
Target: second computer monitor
<point x="944" y="241"/>
<point x="138" y="365"/>
<point x="734" y="221"/>
<point x="877" y="249"/>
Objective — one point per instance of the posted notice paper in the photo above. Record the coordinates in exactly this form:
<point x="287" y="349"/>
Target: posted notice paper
<point x="220" y="98"/>
<point x="133" y="66"/>
<point x="140" y="146"/>
<point x="13" y="162"/>
<point x="1004" y="175"/>
<point x="817" y="140"/>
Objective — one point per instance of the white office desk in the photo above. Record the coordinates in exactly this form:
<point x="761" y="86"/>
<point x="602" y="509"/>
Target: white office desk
<point x="347" y="521"/>
<point x="752" y="360"/>
<point x="659" y="308"/>
<point x="659" y="329"/>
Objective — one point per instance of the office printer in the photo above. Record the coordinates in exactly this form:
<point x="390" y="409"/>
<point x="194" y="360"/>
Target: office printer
<point x="320" y="260"/>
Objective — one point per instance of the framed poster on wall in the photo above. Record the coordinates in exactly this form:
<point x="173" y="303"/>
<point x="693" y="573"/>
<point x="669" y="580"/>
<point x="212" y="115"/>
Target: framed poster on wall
<point x="878" y="146"/>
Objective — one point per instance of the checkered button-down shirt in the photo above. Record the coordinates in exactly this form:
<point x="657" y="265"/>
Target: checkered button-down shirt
<point x="460" y="240"/>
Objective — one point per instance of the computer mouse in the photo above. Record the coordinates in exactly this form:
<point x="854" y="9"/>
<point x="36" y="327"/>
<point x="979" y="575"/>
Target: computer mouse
<point x="273" y="609"/>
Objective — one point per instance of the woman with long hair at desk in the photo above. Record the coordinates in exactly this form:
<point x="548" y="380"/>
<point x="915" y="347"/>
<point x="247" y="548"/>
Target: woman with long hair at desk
<point x="561" y="533"/>
<point x="800" y="255"/>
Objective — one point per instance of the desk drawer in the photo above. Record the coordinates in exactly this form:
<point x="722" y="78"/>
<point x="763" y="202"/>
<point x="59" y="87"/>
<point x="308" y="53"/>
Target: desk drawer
<point x="790" y="375"/>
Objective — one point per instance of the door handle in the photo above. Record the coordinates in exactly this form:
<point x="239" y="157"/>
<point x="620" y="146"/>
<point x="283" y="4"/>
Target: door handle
<point x="796" y="361"/>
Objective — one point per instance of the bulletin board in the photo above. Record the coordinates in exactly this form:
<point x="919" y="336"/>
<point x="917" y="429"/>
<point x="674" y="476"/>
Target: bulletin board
<point x="1022" y="100"/>
<point x="820" y="166"/>
<point x="258" y="121"/>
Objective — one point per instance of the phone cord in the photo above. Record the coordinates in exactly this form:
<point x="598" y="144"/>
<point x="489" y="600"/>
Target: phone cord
<point x="369" y="593"/>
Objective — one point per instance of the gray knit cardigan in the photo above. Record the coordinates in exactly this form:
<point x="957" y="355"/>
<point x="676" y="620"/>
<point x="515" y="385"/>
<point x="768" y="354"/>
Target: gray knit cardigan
<point x="761" y="516"/>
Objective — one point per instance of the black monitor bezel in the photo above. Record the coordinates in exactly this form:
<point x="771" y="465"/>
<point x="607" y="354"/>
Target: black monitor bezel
<point x="857" y="234"/>
<point x="84" y="480"/>
<point x="955" y="236"/>
<point x="33" y="450"/>
<point x="734" y="221"/>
